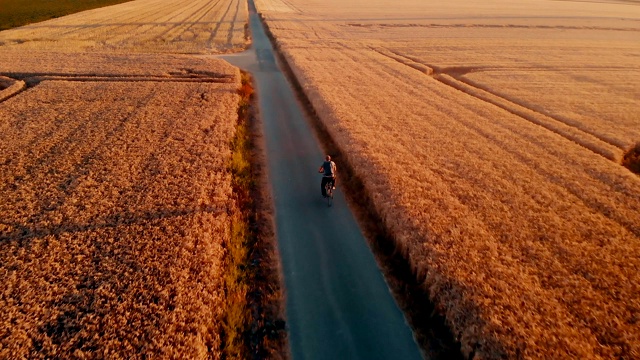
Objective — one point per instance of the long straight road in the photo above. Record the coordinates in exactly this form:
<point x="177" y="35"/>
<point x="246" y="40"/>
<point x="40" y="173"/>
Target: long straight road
<point x="337" y="302"/>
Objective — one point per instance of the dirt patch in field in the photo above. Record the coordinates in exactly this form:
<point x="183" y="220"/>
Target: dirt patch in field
<point x="631" y="159"/>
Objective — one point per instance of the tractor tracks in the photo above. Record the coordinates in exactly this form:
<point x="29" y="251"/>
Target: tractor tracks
<point x="454" y="77"/>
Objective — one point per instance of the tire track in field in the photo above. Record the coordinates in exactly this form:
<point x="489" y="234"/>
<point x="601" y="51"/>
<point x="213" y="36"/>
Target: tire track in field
<point x="233" y="24"/>
<point x="457" y="73"/>
<point x="198" y="21"/>
<point x="151" y="17"/>
<point x="179" y="24"/>
<point x="452" y="77"/>
<point x="21" y="232"/>
<point x="14" y="88"/>
<point x="214" y="32"/>
<point x="166" y="18"/>
<point x="109" y="22"/>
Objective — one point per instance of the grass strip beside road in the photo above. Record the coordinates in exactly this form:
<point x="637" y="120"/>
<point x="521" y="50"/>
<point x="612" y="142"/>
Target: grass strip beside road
<point x="15" y="13"/>
<point x="254" y="325"/>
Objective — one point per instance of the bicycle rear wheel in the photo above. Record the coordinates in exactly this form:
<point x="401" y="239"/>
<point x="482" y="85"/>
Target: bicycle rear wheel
<point x="329" y="191"/>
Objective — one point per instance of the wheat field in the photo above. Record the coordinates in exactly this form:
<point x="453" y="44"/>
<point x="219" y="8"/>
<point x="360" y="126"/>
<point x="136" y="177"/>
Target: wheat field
<point x="489" y="136"/>
<point x="183" y="26"/>
<point x="116" y="204"/>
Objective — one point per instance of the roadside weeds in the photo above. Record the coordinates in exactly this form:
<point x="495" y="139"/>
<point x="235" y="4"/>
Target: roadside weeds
<point x="254" y="327"/>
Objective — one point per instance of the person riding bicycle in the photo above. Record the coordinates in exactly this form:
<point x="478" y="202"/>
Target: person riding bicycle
<point x="328" y="169"/>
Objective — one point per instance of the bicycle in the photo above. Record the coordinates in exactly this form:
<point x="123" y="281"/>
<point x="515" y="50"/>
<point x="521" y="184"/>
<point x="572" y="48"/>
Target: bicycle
<point x="328" y="188"/>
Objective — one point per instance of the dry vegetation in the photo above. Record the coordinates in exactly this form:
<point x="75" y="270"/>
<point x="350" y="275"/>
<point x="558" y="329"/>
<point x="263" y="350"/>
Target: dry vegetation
<point x="183" y="26"/>
<point x="116" y="210"/>
<point x="490" y="137"/>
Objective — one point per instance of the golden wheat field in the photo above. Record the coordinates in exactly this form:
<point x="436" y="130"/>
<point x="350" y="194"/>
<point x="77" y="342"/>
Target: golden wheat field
<point x="182" y="26"/>
<point x="116" y="204"/>
<point x="489" y="136"/>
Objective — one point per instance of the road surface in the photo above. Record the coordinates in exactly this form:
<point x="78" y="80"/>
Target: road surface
<point x="337" y="303"/>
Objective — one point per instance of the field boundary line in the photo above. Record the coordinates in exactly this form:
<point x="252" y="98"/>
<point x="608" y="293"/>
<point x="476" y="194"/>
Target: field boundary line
<point x="31" y="80"/>
<point x="492" y="26"/>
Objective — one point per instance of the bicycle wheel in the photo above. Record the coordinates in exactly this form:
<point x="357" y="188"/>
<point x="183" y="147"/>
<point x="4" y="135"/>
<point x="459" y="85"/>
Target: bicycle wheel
<point x="329" y="191"/>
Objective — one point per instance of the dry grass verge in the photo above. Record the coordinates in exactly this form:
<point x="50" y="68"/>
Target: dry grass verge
<point x="254" y="325"/>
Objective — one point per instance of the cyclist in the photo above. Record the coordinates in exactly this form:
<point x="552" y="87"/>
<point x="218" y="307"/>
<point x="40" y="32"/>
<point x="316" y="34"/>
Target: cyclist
<point x="328" y="169"/>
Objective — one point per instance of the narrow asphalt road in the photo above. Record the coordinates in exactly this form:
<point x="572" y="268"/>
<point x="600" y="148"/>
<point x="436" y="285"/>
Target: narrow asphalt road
<point x="337" y="302"/>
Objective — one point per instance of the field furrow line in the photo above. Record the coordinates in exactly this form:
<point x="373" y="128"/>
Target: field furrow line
<point x="611" y="121"/>
<point x="147" y="28"/>
<point x="174" y="35"/>
<point x="545" y="113"/>
<point x="214" y="32"/>
<point x="34" y="80"/>
<point x="542" y="153"/>
<point x="173" y="23"/>
<point x="492" y="26"/>
<point x="231" y="33"/>
<point x="599" y="199"/>
<point x="94" y="23"/>
<point x="166" y="13"/>
<point x="199" y="23"/>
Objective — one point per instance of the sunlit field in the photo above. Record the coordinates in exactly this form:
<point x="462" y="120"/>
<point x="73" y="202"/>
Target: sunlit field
<point x="183" y="26"/>
<point x="116" y="205"/>
<point x="118" y="211"/>
<point x="490" y="137"/>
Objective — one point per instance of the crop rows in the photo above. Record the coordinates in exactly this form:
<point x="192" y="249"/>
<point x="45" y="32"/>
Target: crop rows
<point x="528" y="242"/>
<point x="184" y="26"/>
<point x="116" y="211"/>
